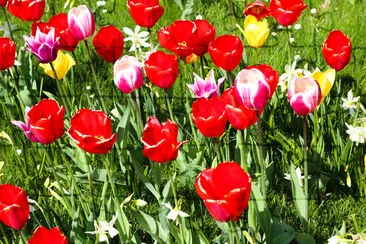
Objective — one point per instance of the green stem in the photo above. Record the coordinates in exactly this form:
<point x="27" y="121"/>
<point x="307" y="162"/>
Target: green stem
<point x="288" y="47"/>
<point x="231" y="238"/>
<point x="8" y="23"/>
<point x="242" y="150"/>
<point x="91" y="186"/>
<point x="18" y="92"/>
<point x="231" y="12"/>
<point x="228" y="74"/>
<point x="4" y="234"/>
<point x="261" y="158"/>
<point x="59" y="86"/>
<point x="216" y="141"/>
<point x="235" y="230"/>
<point x="138" y="113"/>
<point x="168" y="105"/>
<point x="202" y="67"/>
<point x="74" y="57"/>
<point x="306" y="173"/>
<point x="22" y="234"/>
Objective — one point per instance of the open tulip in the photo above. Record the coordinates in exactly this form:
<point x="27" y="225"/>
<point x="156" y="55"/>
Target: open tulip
<point x="237" y="114"/>
<point x="128" y="74"/>
<point x="209" y="116"/>
<point x="258" y="10"/>
<point x="81" y="22"/>
<point x="225" y="191"/>
<point x="7" y="53"/>
<point x="286" y="12"/>
<point x="26" y="10"/>
<point x="337" y="49"/>
<point x="206" y="88"/>
<point x="226" y="51"/>
<point x="14" y="206"/>
<point x="108" y="43"/>
<point x="304" y="95"/>
<point x="256" y="32"/>
<point x="62" y="65"/>
<point x="325" y="81"/>
<point x="45" y="122"/>
<point x="42" y="235"/>
<point x="145" y="13"/>
<point x="91" y="130"/>
<point x="160" y="140"/>
<point x="162" y="69"/>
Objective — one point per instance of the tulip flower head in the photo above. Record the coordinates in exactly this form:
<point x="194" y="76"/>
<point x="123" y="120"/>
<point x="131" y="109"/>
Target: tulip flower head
<point x="42" y="235"/>
<point x="81" y="22"/>
<point x="7" y="53"/>
<point x="204" y="35"/>
<point x="325" y="81"/>
<point x="256" y="32"/>
<point x="128" y="74"/>
<point x="109" y="43"/>
<point x="304" y="95"/>
<point x="26" y="10"/>
<point x="258" y="10"/>
<point x="145" y="13"/>
<point x="62" y="65"/>
<point x="337" y="49"/>
<point x="43" y="46"/>
<point x="286" y="12"/>
<point x="3" y="3"/>
<point x="206" y="88"/>
<point x="225" y="191"/>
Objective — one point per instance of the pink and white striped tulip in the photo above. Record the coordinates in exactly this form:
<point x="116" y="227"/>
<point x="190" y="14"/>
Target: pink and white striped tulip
<point x="128" y="74"/>
<point x="26" y="127"/>
<point x="206" y="88"/>
<point x="81" y="22"/>
<point x="304" y="95"/>
<point x="252" y="88"/>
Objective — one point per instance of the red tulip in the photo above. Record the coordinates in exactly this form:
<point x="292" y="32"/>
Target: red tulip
<point x="108" y="43"/>
<point x="14" y="207"/>
<point x="7" y="53"/>
<point x="27" y="10"/>
<point x="226" y="51"/>
<point x="209" y="116"/>
<point x="91" y="130"/>
<point x="225" y="191"/>
<point x="337" y="50"/>
<point x="3" y="3"/>
<point x="160" y="140"/>
<point x="258" y="10"/>
<point x="162" y="69"/>
<point x="205" y="34"/>
<point x="286" y="12"/>
<point x="237" y="114"/>
<point x="145" y="13"/>
<point x="42" y="235"/>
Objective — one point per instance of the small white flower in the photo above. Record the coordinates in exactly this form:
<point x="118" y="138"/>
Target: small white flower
<point x="350" y="103"/>
<point x="291" y="40"/>
<point x="297" y="58"/>
<point x="356" y="134"/>
<point x="199" y="17"/>
<point x="137" y="38"/>
<point x="274" y="33"/>
<point x="102" y="227"/>
<point x="280" y="27"/>
<point x="88" y="88"/>
<point x="336" y="239"/>
<point x="173" y="214"/>
<point x="104" y="11"/>
<point x="140" y="203"/>
<point x="313" y="11"/>
<point x="297" y="26"/>
<point x="101" y="3"/>
<point x="19" y="151"/>
<point x="299" y="176"/>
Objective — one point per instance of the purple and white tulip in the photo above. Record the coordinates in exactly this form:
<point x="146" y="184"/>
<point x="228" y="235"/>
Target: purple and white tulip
<point x="26" y="127"/>
<point x="304" y="95"/>
<point x="206" y="88"/>
<point x="128" y="74"/>
<point x="252" y="88"/>
<point x="43" y="46"/>
<point x="81" y="22"/>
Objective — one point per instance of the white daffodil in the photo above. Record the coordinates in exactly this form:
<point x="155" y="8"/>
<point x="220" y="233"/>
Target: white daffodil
<point x="102" y="227"/>
<point x="350" y="103"/>
<point x="174" y="213"/>
<point x="137" y="38"/>
<point x="336" y="239"/>
<point x="300" y="177"/>
<point x="356" y="134"/>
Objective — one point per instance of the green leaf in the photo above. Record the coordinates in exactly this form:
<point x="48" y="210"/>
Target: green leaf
<point x="152" y="226"/>
<point x="261" y="209"/>
<point x="179" y="3"/>
<point x="298" y="194"/>
<point x="303" y="238"/>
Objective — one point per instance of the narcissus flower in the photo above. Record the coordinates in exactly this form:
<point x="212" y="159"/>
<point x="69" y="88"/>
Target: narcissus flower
<point x="91" y="130"/>
<point x="128" y="74"/>
<point x="62" y="65"/>
<point x="209" y="116"/>
<point x="160" y="140"/>
<point x="256" y="32"/>
<point x="145" y="13"/>
<point x="162" y="69"/>
<point x="304" y="95"/>
<point x="7" y="53"/>
<point x="81" y="22"/>
<point x="26" y="10"/>
<point x="225" y="191"/>
<point x="14" y="206"/>
<point x="45" y="122"/>
<point x="258" y="10"/>
<point x="337" y="49"/>
<point x="286" y="12"/>
<point x="325" y="81"/>
<point x="206" y="88"/>
<point x="42" y="235"/>
<point x="109" y="43"/>
<point x="43" y="46"/>
<point x="226" y="51"/>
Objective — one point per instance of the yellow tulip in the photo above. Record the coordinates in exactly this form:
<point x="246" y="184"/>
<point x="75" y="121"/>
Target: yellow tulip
<point x="62" y="65"/>
<point x="325" y="81"/>
<point x="256" y="32"/>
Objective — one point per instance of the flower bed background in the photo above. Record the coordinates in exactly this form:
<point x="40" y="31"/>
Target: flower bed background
<point x="138" y="200"/>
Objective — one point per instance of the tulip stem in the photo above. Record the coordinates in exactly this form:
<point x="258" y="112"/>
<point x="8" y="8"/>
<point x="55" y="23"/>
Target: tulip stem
<point x="228" y="74"/>
<point x="202" y="67"/>
<point x="261" y="158"/>
<point x="4" y="234"/>
<point x="8" y="23"/>
<point x="306" y="173"/>
<point x="216" y="141"/>
<point x="235" y="230"/>
<point x="95" y="77"/>
<point x="23" y="236"/>
<point x="62" y="95"/>
<point x="168" y="105"/>
<point x="231" y="12"/>
<point x="91" y="186"/>
<point x="138" y="112"/>
<point x="242" y="149"/>
<point x="18" y="93"/>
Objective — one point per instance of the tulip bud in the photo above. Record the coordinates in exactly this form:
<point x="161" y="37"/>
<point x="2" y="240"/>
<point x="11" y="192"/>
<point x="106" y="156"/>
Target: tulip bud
<point x="337" y="50"/>
<point x="128" y="74"/>
<point x="81" y="22"/>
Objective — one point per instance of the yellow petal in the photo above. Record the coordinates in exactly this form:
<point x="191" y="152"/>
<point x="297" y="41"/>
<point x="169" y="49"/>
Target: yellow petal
<point x="62" y="65"/>
<point x="325" y="81"/>
<point x="256" y="32"/>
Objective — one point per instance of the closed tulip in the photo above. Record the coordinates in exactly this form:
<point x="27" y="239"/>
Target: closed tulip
<point x="304" y="95"/>
<point x="205" y="34"/>
<point x="44" y="123"/>
<point x="206" y="88"/>
<point x="42" y="235"/>
<point x="145" y="13"/>
<point x="14" y="206"/>
<point x="258" y="10"/>
<point x="162" y="69"/>
<point x="108" y="43"/>
<point x="7" y="53"/>
<point x="337" y="49"/>
<point x="286" y="12"/>
<point x="3" y="3"/>
<point x="209" y="116"/>
<point x="128" y="74"/>
<point x="224" y="190"/>
<point x="26" y="10"/>
<point x="325" y="80"/>
<point x="256" y="32"/>
<point x="81" y="22"/>
<point x="160" y="140"/>
<point x="62" y="65"/>
<point x="226" y="51"/>
<point x="91" y="130"/>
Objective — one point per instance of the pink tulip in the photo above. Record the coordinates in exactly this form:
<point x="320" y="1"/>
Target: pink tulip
<point x="81" y="22"/>
<point x="304" y="95"/>
<point x="128" y="74"/>
<point x="206" y="88"/>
